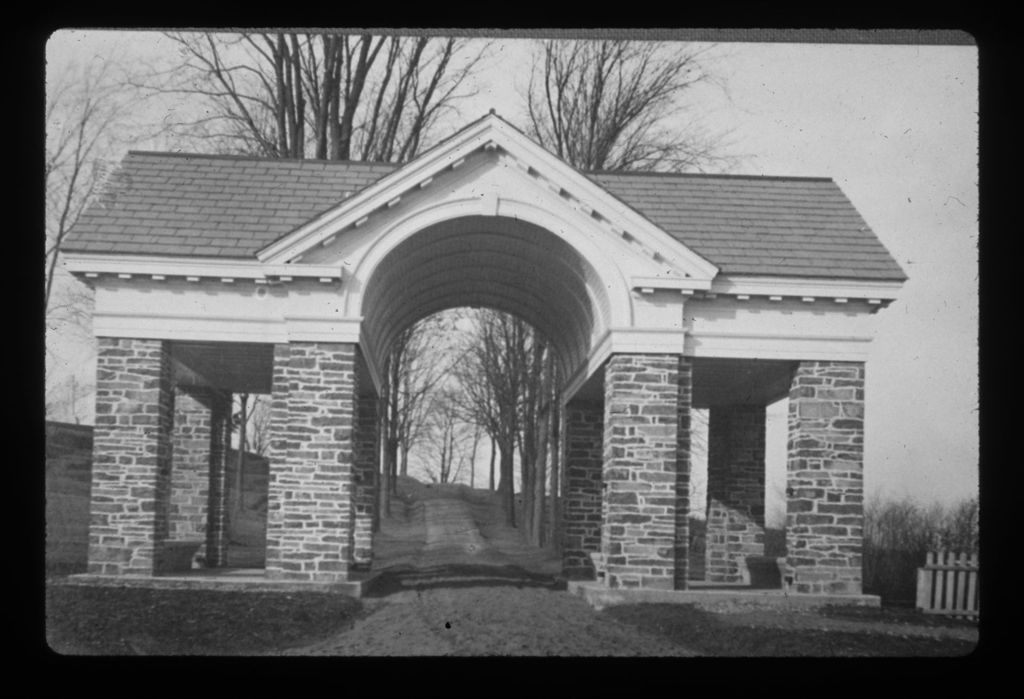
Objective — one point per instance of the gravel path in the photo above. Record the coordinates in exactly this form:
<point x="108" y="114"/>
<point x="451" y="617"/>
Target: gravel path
<point x="455" y="582"/>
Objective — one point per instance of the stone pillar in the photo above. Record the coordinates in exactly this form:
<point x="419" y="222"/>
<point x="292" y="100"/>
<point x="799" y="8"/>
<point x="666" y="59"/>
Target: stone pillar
<point x="131" y="464"/>
<point x="684" y="402"/>
<point x="217" y="510"/>
<point x="366" y="458"/>
<point x="736" y="473"/>
<point x="190" y="473"/>
<point x="581" y="504"/>
<point x="644" y="526"/>
<point x="311" y="485"/>
<point x="825" y="485"/>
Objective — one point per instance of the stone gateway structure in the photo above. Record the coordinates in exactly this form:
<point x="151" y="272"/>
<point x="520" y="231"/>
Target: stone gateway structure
<point x="660" y="294"/>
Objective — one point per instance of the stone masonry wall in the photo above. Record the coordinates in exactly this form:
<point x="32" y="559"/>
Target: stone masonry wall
<point x="311" y="488"/>
<point x="192" y="438"/>
<point x="131" y="466"/>
<point x="581" y="508"/>
<point x="217" y="539"/>
<point x="277" y="454"/>
<point x="684" y="401"/>
<point x="366" y="458"/>
<point x="825" y="486"/>
<point x="736" y="475"/>
<point x="642" y="539"/>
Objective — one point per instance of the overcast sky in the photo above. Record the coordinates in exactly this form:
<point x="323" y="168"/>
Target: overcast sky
<point x="896" y="127"/>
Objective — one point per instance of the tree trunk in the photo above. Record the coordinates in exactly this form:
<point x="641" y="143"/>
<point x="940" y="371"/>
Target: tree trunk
<point x="235" y="492"/>
<point x="472" y="458"/>
<point x="507" y="484"/>
<point x="392" y="460"/>
<point x="539" y="477"/>
<point x="493" y="454"/>
<point x="526" y="486"/>
<point x="385" y="471"/>
<point x="556" y="453"/>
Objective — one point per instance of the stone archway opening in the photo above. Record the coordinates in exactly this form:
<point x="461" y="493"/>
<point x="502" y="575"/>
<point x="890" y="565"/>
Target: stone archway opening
<point x="507" y="265"/>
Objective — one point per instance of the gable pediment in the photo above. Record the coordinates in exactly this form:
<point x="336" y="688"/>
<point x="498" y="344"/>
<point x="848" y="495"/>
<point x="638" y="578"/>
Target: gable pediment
<point x="494" y="163"/>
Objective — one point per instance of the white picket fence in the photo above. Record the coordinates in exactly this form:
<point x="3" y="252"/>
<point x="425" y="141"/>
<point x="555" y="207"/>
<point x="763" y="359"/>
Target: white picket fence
<point x="948" y="584"/>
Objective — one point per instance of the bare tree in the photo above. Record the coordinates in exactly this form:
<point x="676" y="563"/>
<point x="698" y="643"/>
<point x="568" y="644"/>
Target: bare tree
<point x="615" y="105"/>
<point x="83" y="109"/>
<point x="492" y="377"/>
<point x="239" y="421"/>
<point x="259" y="424"/>
<point x="414" y="367"/>
<point x="448" y="439"/>
<point x="534" y="427"/>
<point x="88" y="125"/>
<point x="321" y="95"/>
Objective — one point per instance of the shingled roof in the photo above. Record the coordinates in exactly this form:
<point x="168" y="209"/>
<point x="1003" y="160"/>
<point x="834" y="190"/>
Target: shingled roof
<point x="231" y="207"/>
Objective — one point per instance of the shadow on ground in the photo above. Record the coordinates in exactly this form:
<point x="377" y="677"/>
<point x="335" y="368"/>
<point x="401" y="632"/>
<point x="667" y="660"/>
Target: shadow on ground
<point x="84" y="620"/>
<point x="399" y="579"/>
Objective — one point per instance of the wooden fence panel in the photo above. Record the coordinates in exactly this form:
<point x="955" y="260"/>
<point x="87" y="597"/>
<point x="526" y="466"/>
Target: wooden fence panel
<point x="948" y="584"/>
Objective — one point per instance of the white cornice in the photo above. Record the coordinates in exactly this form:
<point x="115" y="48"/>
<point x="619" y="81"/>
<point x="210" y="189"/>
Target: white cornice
<point x="90" y="264"/>
<point x="684" y="285"/>
<point x="808" y="289"/>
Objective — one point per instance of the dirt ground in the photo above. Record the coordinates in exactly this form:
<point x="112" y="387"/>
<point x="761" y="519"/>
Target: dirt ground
<point x="456" y="581"/>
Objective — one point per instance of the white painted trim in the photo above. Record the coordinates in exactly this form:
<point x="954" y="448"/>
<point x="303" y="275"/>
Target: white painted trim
<point x="733" y="345"/>
<point x="809" y="288"/>
<point x="671" y="283"/>
<point x="741" y="345"/>
<point x="491" y="130"/>
<point x="93" y="264"/>
<point x="313" y="328"/>
<point x="187" y="327"/>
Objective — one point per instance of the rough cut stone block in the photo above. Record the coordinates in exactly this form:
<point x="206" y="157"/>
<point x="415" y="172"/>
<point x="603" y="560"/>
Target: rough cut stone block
<point x="366" y="466"/>
<point x="131" y="462"/>
<point x="825" y="439"/>
<point x="313" y="463"/>
<point x="582" y="485"/>
<point x="646" y="470"/>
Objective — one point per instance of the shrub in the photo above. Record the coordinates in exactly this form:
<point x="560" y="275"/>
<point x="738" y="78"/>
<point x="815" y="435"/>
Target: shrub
<point x="899" y="533"/>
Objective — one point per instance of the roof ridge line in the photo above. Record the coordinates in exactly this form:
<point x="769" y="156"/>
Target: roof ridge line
<point x="260" y="158"/>
<point x="716" y="175"/>
<point x="393" y="165"/>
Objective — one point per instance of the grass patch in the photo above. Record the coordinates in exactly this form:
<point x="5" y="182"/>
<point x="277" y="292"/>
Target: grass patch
<point x="733" y="636"/>
<point x="83" y="620"/>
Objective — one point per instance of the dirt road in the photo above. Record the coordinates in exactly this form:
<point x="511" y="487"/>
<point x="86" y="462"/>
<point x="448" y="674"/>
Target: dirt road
<point x="456" y="581"/>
